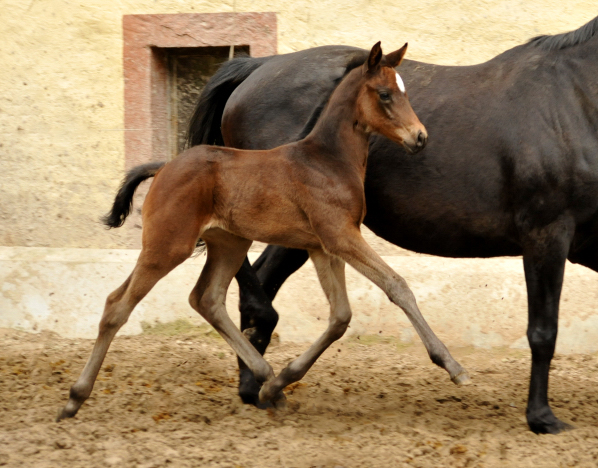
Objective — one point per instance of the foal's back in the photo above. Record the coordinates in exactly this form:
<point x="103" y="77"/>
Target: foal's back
<point x="258" y="195"/>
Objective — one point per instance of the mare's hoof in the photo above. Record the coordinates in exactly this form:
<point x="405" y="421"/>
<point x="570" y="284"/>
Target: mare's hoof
<point x="251" y="396"/>
<point x="249" y="389"/>
<point x="555" y="427"/>
<point x="543" y="421"/>
<point x="461" y="379"/>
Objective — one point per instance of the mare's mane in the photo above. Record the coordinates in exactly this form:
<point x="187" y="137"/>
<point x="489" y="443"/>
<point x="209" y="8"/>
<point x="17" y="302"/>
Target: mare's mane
<point x="568" y="39"/>
<point x="544" y="42"/>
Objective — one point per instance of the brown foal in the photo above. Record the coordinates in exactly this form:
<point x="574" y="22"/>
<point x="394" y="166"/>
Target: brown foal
<point x="305" y="195"/>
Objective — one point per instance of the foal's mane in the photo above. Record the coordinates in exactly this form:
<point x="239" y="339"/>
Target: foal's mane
<point x="568" y="39"/>
<point x="356" y="61"/>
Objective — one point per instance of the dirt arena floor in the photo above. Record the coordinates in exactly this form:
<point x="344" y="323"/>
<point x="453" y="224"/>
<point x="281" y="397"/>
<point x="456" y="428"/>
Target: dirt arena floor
<point x="167" y="398"/>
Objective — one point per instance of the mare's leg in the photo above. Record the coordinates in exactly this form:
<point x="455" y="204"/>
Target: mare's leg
<point x="331" y="273"/>
<point x="226" y="253"/>
<point x="275" y="265"/>
<point x="258" y="317"/>
<point x="544" y="256"/>
<point x="353" y="249"/>
<point x="587" y="255"/>
<point x="150" y="268"/>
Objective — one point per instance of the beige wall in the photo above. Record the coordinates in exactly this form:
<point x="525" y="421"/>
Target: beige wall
<point x="61" y="86"/>
<point x="473" y="302"/>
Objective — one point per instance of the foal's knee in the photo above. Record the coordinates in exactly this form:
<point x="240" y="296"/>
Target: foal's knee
<point x="201" y="301"/>
<point x="338" y="325"/>
<point x="207" y="306"/>
<point x="399" y="293"/>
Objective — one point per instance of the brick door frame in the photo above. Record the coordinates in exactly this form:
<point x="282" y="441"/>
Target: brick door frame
<point x="147" y="123"/>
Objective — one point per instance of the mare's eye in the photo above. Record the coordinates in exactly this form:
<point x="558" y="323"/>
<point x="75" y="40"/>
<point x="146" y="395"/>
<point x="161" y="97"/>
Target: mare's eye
<point x="384" y="96"/>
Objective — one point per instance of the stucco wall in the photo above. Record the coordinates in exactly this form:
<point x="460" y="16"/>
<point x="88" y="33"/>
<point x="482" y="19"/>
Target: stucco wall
<point x="61" y="86"/>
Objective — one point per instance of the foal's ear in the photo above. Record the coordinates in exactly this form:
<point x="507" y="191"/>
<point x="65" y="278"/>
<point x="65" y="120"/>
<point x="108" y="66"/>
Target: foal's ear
<point x="373" y="62"/>
<point x="395" y="58"/>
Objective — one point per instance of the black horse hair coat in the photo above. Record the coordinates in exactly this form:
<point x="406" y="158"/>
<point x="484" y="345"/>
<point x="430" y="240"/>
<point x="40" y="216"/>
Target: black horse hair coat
<point x="511" y="168"/>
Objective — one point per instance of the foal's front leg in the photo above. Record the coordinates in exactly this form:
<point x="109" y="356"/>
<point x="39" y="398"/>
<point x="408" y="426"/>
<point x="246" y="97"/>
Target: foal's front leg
<point x="331" y="273"/>
<point x="352" y="248"/>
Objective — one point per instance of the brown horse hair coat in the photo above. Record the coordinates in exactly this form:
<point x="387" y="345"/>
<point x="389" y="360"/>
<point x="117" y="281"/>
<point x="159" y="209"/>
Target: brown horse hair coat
<point x="307" y="195"/>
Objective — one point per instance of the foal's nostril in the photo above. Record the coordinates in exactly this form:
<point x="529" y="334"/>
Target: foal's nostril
<point x="422" y="138"/>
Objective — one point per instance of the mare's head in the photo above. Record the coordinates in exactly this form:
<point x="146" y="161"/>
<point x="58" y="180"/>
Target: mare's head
<point x="383" y="103"/>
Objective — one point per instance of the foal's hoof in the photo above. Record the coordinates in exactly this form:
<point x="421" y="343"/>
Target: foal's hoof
<point x="461" y="379"/>
<point x="249" y="391"/>
<point x="253" y="398"/>
<point x="279" y="401"/>
<point x="64" y="414"/>
<point x="276" y="398"/>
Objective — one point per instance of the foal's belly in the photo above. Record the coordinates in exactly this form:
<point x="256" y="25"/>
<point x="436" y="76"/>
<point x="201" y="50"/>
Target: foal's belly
<point x="277" y="224"/>
<point x="286" y="236"/>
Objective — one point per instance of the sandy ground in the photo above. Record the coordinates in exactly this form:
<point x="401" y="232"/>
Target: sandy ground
<point x="168" y="398"/>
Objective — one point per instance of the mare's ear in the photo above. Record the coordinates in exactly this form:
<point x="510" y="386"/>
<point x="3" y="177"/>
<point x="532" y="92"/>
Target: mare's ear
<point x="395" y="58"/>
<point x="373" y="62"/>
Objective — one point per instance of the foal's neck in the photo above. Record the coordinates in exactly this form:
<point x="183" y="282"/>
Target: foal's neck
<point x="338" y="132"/>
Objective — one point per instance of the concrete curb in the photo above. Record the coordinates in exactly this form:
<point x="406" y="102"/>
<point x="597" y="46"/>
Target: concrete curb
<point x="468" y="302"/>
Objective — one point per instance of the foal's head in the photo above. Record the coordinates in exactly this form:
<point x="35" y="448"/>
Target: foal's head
<point x="383" y="103"/>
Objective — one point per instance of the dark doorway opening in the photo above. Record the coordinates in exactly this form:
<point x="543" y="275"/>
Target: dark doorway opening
<point x="189" y="69"/>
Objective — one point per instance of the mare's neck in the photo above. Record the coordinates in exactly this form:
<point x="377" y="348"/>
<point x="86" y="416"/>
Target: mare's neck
<point x="339" y="133"/>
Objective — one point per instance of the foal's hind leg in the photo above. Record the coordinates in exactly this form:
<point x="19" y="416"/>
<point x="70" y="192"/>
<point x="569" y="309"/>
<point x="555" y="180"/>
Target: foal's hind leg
<point x="119" y="305"/>
<point x="226" y="253"/>
<point x="331" y="273"/>
<point x="352" y="248"/>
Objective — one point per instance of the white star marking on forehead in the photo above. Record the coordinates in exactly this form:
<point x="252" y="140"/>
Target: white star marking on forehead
<point x="400" y="83"/>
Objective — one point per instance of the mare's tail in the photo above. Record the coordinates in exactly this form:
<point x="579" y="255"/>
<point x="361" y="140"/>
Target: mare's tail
<point x="124" y="198"/>
<point x="204" y="126"/>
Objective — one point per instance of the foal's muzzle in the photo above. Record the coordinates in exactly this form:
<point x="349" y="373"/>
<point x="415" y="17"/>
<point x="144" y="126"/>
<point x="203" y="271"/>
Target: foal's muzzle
<point x="417" y="143"/>
<point x="422" y="140"/>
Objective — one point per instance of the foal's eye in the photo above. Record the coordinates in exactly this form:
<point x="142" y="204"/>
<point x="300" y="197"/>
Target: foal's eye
<point x="384" y="96"/>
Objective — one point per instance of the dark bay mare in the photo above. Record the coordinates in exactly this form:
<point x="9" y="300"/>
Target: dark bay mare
<point x="304" y="195"/>
<point x="511" y="168"/>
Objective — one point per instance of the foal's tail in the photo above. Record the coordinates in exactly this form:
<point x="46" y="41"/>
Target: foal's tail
<point x="124" y="198"/>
